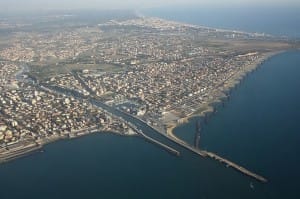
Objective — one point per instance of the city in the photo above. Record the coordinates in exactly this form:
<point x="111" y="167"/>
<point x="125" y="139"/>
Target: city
<point x="181" y="99"/>
<point x="156" y="70"/>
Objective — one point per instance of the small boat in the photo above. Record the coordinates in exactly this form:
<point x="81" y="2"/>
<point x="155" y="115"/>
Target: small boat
<point x="251" y="185"/>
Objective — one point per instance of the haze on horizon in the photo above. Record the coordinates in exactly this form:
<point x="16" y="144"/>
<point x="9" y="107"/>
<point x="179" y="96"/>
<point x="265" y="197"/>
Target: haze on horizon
<point x="31" y="5"/>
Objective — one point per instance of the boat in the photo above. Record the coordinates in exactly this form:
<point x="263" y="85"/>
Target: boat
<point x="251" y="185"/>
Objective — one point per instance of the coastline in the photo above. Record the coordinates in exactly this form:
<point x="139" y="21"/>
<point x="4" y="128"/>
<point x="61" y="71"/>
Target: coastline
<point x="37" y="146"/>
<point x="228" y="85"/>
<point x="206" y="108"/>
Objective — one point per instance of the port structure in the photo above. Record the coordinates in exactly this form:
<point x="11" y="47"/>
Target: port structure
<point x="197" y="135"/>
<point x="175" y="140"/>
<point x="214" y="156"/>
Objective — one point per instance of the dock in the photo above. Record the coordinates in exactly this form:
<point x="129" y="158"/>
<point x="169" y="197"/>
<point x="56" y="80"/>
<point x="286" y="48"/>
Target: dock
<point x="179" y="142"/>
<point x="235" y="166"/>
<point x="169" y="149"/>
<point x="140" y="132"/>
<point x="19" y="152"/>
<point x="205" y="154"/>
<point x="220" y="159"/>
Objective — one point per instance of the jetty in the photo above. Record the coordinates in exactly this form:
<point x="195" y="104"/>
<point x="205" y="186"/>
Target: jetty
<point x="152" y="140"/>
<point x="205" y="154"/>
<point x="235" y="166"/>
<point x="167" y="148"/>
<point x="229" y="163"/>
<point x="175" y="140"/>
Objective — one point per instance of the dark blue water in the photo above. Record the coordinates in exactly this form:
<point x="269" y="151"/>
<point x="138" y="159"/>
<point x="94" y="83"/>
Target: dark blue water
<point x="259" y="126"/>
<point x="108" y="166"/>
<point x="280" y="21"/>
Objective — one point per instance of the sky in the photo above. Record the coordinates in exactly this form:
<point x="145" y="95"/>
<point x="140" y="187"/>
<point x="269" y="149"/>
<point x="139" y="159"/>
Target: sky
<point x="8" y="5"/>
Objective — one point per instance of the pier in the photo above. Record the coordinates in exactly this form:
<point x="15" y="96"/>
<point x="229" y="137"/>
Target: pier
<point x="235" y="166"/>
<point x="169" y="149"/>
<point x="208" y="154"/>
<point x="196" y="151"/>
<point x="203" y="153"/>
<point x="164" y="146"/>
<point x="20" y="151"/>
<point x="136" y="121"/>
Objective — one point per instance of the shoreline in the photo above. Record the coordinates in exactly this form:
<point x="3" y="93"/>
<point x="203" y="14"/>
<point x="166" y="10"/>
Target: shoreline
<point x="207" y="108"/>
<point x="37" y="146"/>
<point x="227" y="87"/>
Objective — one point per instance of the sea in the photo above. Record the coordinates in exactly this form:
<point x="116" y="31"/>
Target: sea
<point x="274" y="20"/>
<point x="258" y="127"/>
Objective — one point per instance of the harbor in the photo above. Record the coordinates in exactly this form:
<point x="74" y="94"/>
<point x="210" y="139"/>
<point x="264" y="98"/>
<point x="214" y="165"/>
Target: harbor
<point x="130" y="104"/>
<point x="144" y="160"/>
<point x="212" y="155"/>
<point x="151" y="133"/>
